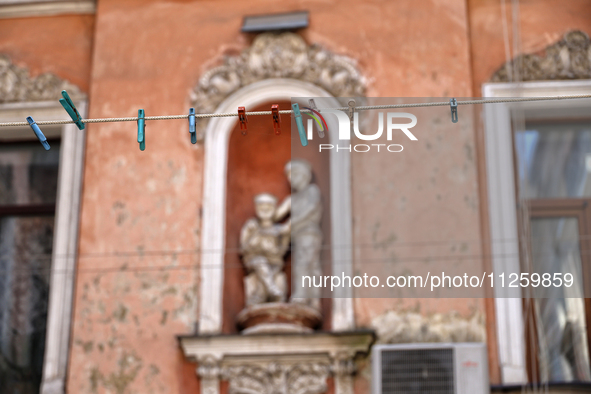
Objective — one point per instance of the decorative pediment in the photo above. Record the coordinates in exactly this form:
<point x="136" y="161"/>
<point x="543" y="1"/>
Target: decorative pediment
<point x="569" y="58"/>
<point x="284" y="55"/>
<point x="16" y="85"/>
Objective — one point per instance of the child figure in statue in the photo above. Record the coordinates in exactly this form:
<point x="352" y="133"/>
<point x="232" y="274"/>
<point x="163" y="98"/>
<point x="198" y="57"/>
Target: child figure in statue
<point x="263" y="244"/>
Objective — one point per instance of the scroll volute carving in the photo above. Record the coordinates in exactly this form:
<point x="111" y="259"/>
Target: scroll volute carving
<point x="275" y="378"/>
<point x="272" y="55"/>
<point x="569" y="58"/>
<point x="17" y="85"/>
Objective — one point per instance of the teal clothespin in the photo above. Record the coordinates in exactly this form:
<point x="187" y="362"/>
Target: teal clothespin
<point x="300" y="124"/>
<point x="68" y="105"/>
<point x="141" y="129"/>
<point x="38" y="133"/>
<point x="192" y="126"/>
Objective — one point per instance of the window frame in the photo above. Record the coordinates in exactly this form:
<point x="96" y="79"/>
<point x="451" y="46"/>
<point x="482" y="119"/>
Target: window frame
<point x="65" y="238"/>
<point x="547" y="208"/>
<point x="502" y="206"/>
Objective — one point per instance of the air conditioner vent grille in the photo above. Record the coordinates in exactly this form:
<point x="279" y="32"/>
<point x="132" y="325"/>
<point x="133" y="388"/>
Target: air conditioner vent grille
<point x="428" y="371"/>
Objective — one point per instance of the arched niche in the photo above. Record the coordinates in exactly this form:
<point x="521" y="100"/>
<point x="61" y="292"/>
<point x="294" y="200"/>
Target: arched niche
<point x="213" y="241"/>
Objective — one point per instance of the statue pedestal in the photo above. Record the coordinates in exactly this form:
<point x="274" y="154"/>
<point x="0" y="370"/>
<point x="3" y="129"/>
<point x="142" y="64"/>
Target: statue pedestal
<point x="281" y="363"/>
<point x="278" y="317"/>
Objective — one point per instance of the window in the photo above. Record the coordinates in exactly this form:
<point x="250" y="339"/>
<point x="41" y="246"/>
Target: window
<point x="28" y="189"/>
<point x="41" y="211"/>
<point x="553" y="168"/>
<point x="537" y="166"/>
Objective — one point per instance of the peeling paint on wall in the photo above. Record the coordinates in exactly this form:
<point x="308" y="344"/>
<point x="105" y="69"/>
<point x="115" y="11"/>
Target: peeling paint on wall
<point x="128" y="367"/>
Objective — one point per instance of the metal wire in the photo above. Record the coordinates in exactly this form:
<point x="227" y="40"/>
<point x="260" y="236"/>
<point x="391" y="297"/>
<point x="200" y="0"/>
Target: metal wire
<point x="285" y="112"/>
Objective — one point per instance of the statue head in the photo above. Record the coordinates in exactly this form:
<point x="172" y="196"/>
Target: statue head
<point x="299" y="174"/>
<point x="265" y="205"/>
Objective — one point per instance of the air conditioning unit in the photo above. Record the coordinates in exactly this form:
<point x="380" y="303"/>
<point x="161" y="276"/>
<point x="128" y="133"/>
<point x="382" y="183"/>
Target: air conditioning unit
<point x="430" y="368"/>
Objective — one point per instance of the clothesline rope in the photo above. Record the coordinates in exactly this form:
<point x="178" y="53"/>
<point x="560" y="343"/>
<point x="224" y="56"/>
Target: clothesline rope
<point x="285" y="112"/>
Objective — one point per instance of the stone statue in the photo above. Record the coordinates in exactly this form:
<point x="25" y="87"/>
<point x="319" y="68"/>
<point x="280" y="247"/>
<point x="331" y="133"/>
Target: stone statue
<point x="264" y="241"/>
<point x="304" y="207"/>
<point x="263" y="244"/>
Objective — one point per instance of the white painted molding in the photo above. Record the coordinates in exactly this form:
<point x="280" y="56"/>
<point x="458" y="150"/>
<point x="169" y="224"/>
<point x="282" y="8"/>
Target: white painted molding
<point x="240" y="347"/>
<point x="217" y="136"/>
<point x="502" y="204"/>
<point x="65" y="238"/>
<point x="32" y="8"/>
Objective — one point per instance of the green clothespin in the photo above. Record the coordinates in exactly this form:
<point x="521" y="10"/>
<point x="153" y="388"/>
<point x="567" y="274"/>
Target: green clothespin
<point x="141" y="129"/>
<point x="300" y="124"/>
<point x="70" y="108"/>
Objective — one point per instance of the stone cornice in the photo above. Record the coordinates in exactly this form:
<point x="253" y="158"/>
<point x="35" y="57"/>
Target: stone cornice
<point x="229" y="346"/>
<point x="32" y="8"/>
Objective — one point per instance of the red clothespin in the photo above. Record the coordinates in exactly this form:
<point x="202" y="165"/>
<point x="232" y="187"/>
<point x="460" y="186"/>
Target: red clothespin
<point x="276" y="119"/>
<point x="242" y="119"/>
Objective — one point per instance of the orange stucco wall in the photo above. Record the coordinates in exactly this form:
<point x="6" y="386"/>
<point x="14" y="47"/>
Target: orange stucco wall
<point x="141" y="211"/>
<point x="149" y="55"/>
<point x="61" y="45"/>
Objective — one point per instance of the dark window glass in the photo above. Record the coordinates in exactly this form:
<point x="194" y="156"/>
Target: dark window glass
<point x="28" y="178"/>
<point x="28" y="173"/>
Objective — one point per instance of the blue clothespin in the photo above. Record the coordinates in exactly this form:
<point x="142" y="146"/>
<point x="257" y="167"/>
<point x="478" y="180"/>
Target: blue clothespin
<point x="192" y="126"/>
<point x="300" y="124"/>
<point x="68" y="105"/>
<point x="38" y="133"/>
<point x="141" y="129"/>
<point x="454" y="110"/>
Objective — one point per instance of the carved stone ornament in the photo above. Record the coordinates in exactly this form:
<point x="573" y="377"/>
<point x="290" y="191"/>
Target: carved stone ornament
<point x="569" y="58"/>
<point x="272" y="55"/>
<point x="16" y="85"/>
<point x="412" y="327"/>
<point x="343" y="368"/>
<point x="282" y="363"/>
<point x="209" y="371"/>
<point x="276" y="378"/>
